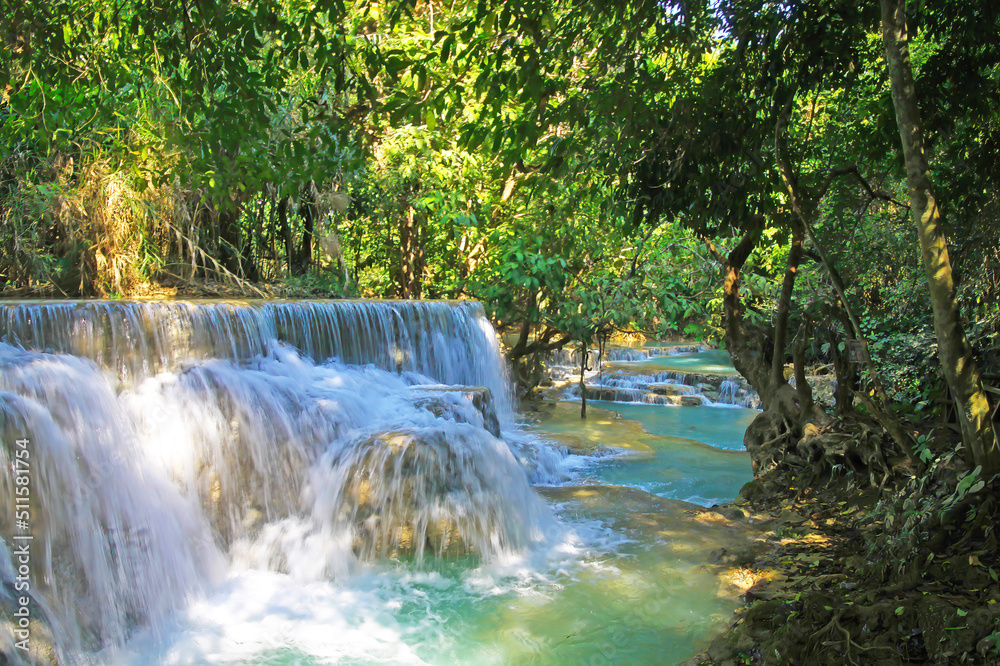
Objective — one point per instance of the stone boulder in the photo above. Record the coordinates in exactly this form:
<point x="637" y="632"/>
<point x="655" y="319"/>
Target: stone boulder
<point x="619" y="394"/>
<point x="668" y="388"/>
<point x="447" y="490"/>
<point x="433" y="397"/>
<point x="394" y="484"/>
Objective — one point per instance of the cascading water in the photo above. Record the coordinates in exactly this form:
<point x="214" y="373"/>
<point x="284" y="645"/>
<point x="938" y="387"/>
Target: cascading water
<point x="730" y="392"/>
<point x="678" y="399"/>
<point x="452" y="343"/>
<point x="105" y="526"/>
<point x="307" y="483"/>
<point x="171" y="442"/>
<point x="626" y="374"/>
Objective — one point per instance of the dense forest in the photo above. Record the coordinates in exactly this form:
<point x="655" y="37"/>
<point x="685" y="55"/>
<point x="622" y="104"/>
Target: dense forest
<point x="811" y="184"/>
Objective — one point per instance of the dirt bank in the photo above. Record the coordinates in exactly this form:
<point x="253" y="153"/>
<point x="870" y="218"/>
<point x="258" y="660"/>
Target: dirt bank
<point x="903" y="572"/>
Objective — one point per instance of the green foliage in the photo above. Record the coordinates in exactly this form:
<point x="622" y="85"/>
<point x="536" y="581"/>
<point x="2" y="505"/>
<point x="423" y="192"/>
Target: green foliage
<point x="210" y="104"/>
<point x="565" y="162"/>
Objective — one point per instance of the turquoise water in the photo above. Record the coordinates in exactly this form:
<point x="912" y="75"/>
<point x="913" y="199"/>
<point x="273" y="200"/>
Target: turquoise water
<point x="711" y="362"/>
<point x="254" y="483"/>
<point x="693" y="454"/>
<point x="622" y="580"/>
<point x="625" y="583"/>
<point x="719" y="427"/>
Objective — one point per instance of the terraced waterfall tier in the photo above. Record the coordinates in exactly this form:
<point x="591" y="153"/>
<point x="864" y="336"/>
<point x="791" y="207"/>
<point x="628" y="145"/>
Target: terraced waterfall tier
<point x="453" y="343"/>
<point x="675" y="374"/>
<point x="160" y="444"/>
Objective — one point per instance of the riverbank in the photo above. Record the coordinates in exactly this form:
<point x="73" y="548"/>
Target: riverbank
<point x="858" y="556"/>
<point x="851" y="573"/>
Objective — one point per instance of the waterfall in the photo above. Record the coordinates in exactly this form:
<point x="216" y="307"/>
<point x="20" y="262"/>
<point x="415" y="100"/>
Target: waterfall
<point x="171" y="442"/>
<point x="733" y="393"/>
<point x="453" y="343"/>
<point x="104" y="526"/>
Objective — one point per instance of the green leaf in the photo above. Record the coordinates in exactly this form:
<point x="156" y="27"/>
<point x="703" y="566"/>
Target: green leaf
<point x="446" y="47"/>
<point x="969" y="480"/>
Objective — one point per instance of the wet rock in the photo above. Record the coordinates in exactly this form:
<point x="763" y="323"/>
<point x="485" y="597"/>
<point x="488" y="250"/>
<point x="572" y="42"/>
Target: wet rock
<point x="731" y="512"/>
<point x="741" y="556"/>
<point x="39" y="638"/>
<point x="574" y="444"/>
<point x="619" y="394"/>
<point x="689" y="349"/>
<point x="445" y="490"/>
<point x="667" y="388"/>
<point x="753" y="491"/>
<point x="390" y="495"/>
<point x="480" y="396"/>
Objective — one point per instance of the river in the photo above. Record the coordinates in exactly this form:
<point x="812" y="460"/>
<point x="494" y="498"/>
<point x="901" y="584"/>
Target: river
<point x="349" y="482"/>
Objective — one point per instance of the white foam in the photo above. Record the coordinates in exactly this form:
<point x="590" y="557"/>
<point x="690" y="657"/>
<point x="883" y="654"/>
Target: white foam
<point x="384" y="613"/>
<point x="299" y="472"/>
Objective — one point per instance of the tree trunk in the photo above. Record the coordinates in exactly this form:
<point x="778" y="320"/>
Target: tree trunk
<point x="806" y="210"/>
<point x="785" y="304"/>
<point x="749" y="353"/>
<point x="286" y="235"/>
<point x="411" y="256"/>
<point x="308" y="213"/>
<point x="954" y="352"/>
<point x="779" y="425"/>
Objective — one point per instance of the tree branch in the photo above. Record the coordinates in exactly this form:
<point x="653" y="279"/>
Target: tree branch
<point x="852" y="169"/>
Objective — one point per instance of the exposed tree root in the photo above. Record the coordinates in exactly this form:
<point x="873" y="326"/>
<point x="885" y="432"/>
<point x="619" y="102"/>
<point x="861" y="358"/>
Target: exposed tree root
<point x="870" y="563"/>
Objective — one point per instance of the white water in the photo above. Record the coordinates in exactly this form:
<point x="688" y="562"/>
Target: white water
<point x="271" y="483"/>
<point x="627" y="371"/>
<point x="107" y="524"/>
<point x="258" y="467"/>
<point x="452" y="342"/>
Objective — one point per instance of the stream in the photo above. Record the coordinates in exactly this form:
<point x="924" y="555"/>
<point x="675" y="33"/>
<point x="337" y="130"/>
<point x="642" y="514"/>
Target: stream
<point x="348" y="482"/>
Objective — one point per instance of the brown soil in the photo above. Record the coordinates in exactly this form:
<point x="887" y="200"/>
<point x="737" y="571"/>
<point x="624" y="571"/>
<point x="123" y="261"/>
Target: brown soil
<point x="858" y="574"/>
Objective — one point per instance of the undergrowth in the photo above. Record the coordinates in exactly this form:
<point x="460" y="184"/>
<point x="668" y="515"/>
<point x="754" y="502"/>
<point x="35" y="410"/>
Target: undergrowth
<point x="871" y="570"/>
<point x="69" y="229"/>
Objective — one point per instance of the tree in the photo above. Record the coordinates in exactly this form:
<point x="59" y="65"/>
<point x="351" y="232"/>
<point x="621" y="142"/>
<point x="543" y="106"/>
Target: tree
<point x="195" y="110"/>
<point x="957" y="361"/>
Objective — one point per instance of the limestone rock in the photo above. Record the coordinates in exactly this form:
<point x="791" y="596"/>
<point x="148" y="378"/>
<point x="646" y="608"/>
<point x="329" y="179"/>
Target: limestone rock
<point x="430" y="490"/>
<point x="619" y="394"/>
<point x="667" y="388"/>
<point x="429" y="397"/>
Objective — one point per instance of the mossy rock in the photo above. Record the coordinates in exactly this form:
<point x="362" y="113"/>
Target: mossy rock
<point x="753" y="491"/>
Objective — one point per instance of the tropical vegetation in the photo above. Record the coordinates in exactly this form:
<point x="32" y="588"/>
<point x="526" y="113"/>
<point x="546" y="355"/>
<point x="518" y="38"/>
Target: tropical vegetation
<point x="810" y="183"/>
